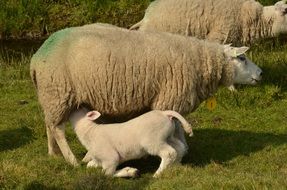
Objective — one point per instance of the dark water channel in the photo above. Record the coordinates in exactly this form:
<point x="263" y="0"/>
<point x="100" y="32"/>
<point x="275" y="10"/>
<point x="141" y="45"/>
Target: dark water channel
<point x="17" y="48"/>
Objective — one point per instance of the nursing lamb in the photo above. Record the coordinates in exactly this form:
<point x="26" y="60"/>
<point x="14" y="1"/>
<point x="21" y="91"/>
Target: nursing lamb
<point x="124" y="73"/>
<point x="109" y="145"/>
<point x="225" y="21"/>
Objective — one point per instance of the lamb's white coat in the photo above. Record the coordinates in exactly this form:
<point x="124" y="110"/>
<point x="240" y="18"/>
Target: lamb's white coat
<point x="110" y="144"/>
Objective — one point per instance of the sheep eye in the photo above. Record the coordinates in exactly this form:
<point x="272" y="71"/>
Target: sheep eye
<point x="241" y="58"/>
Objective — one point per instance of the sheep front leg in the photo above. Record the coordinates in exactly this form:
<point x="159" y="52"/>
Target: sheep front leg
<point x="109" y="159"/>
<point x="88" y="157"/>
<point x="109" y="167"/>
<point x="59" y="134"/>
<point x="53" y="148"/>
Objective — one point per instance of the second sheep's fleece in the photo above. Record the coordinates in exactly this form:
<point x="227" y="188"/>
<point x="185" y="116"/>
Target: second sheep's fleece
<point x="123" y="73"/>
<point x="109" y="145"/>
<point x="226" y="21"/>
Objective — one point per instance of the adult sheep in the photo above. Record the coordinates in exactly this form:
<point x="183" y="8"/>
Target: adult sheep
<point x="122" y="73"/>
<point x="225" y="21"/>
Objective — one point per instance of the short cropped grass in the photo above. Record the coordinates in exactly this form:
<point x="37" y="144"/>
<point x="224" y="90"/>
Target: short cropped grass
<point x="242" y="144"/>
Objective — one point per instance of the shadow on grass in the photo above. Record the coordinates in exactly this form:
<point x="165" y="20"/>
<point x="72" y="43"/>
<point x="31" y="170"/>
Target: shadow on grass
<point x="35" y="185"/>
<point x="14" y="138"/>
<point x="276" y="75"/>
<point x="220" y="145"/>
<point x="98" y="181"/>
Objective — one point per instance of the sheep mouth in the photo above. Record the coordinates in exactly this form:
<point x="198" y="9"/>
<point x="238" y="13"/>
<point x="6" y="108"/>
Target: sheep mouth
<point x="255" y="81"/>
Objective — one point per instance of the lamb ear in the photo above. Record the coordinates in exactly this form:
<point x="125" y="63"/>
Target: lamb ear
<point x="281" y="6"/>
<point x="93" y="115"/>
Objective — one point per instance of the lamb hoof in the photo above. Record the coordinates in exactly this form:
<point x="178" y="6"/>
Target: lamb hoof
<point x="129" y="172"/>
<point x="92" y="164"/>
<point x="132" y="172"/>
<point x="137" y="173"/>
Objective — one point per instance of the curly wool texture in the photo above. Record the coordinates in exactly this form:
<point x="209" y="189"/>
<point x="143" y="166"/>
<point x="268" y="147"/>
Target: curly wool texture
<point x="121" y="72"/>
<point x="225" y="21"/>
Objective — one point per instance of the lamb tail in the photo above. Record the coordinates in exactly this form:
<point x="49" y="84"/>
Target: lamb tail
<point x="185" y="125"/>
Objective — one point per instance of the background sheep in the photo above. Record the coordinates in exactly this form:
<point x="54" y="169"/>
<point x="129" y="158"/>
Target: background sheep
<point x="123" y="73"/>
<point x="225" y="21"/>
<point x="109" y="145"/>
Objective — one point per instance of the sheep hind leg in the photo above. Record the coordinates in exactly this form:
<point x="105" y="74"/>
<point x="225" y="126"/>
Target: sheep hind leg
<point x="179" y="134"/>
<point x="59" y="134"/>
<point x="168" y="156"/>
<point x="179" y="147"/>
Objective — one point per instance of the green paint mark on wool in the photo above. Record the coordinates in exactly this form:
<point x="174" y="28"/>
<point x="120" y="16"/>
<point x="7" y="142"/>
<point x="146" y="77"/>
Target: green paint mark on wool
<point x="51" y="43"/>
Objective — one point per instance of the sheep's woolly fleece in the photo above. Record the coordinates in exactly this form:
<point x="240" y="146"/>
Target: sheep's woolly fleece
<point x="121" y="72"/>
<point x="225" y="21"/>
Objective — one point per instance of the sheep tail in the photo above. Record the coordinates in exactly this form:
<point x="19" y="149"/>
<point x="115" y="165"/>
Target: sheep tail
<point x="136" y="26"/>
<point x="185" y="125"/>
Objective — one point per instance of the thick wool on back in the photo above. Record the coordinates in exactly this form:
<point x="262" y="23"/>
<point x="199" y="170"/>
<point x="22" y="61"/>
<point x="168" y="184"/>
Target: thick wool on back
<point x="225" y="21"/>
<point x="120" y="72"/>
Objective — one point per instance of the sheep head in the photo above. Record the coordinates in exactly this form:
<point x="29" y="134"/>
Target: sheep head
<point x="277" y="14"/>
<point x="246" y="72"/>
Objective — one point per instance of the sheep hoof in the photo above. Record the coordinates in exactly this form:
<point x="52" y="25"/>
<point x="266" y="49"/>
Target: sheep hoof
<point x="156" y="175"/>
<point x="232" y="88"/>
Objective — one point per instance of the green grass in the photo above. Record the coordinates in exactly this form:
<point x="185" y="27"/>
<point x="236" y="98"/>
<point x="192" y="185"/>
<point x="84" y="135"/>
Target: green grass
<point x="242" y="144"/>
<point x="37" y="18"/>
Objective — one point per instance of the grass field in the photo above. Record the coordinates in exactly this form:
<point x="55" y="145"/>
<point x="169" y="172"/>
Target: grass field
<point x="37" y="18"/>
<point x="242" y="144"/>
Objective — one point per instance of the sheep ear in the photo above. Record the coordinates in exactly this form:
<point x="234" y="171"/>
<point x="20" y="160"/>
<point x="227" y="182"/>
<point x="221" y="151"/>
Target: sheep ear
<point x="93" y="115"/>
<point x="241" y="50"/>
<point x="229" y="50"/>
<point x="227" y="45"/>
<point x="235" y="51"/>
<point x="281" y="6"/>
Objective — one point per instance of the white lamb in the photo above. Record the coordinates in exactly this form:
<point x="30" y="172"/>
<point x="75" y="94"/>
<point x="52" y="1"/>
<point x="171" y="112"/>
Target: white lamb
<point x="109" y="145"/>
